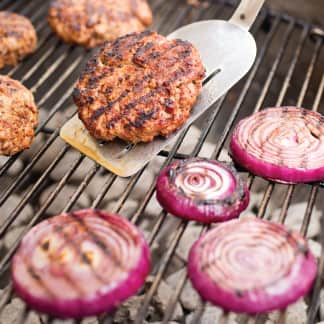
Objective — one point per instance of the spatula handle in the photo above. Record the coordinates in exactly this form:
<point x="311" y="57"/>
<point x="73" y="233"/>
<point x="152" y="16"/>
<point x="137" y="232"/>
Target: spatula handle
<point x="246" y="13"/>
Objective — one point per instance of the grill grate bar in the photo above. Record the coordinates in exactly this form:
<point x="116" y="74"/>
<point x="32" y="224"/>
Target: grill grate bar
<point x="104" y="190"/>
<point x="275" y="66"/>
<point x="90" y="174"/>
<point x="4" y="4"/>
<point x="12" y="7"/>
<point x="292" y="67"/>
<point x="6" y="296"/>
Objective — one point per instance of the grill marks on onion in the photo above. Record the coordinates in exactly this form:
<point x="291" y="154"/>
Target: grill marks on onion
<point x="251" y="265"/>
<point x="283" y="144"/>
<point x="202" y="190"/>
<point x="80" y="264"/>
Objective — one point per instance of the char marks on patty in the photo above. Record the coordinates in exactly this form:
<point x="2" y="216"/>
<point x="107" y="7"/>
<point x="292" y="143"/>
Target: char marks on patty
<point x="90" y="23"/>
<point x="139" y="86"/>
<point x="18" y="116"/>
<point x="17" y="38"/>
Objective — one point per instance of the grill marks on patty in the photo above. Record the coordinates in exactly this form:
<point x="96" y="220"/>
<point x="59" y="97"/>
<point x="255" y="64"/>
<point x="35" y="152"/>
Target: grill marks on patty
<point x="17" y="38"/>
<point x="18" y="116"/>
<point x="90" y="23"/>
<point x="139" y="86"/>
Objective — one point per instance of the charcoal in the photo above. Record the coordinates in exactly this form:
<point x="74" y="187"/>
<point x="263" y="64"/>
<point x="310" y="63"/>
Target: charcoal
<point x="13" y="312"/>
<point x="37" y="144"/>
<point x="295" y="314"/>
<point x="65" y="164"/>
<point x="190" y="235"/>
<point x="62" y="198"/>
<point x="189" y="298"/>
<point x="49" y="156"/>
<point x="211" y="315"/>
<point x="295" y="218"/>
<point x="128" y="208"/>
<point x="164" y="294"/>
<point x="12" y="235"/>
<point x="16" y="167"/>
<point x="127" y="312"/>
<point x="11" y="203"/>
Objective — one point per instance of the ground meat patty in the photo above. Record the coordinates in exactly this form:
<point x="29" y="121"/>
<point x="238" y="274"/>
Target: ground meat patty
<point x="18" y="116"/>
<point x="17" y="38"/>
<point x="138" y="87"/>
<point x="90" y="23"/>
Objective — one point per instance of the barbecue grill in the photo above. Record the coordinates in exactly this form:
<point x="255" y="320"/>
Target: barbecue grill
<point x="288" y="71"/>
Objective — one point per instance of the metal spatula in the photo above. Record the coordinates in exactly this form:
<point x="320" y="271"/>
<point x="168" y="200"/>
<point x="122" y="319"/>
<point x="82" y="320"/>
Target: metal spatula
<point x="228" y="51"/>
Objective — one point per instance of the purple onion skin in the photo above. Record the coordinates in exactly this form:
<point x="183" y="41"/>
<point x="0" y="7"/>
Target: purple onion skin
<point x="277" y="173"/>
<point x="187" y="209"/>
<point x="101" y="302"/>
<point x="251" y="302"/>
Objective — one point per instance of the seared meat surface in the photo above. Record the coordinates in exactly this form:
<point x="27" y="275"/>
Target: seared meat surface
<point x="17" y="38"/>
<point x="138" y="87"/>
<point x="18" y="116"/>
<point x="91" y="23"/>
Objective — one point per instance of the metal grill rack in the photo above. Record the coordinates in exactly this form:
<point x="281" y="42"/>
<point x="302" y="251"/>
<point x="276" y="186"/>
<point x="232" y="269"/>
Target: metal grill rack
<point x="288" y="71"/>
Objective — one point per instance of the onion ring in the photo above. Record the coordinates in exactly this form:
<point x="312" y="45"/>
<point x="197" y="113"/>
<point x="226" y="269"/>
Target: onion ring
<point x="251" y="266"/>
<point x="281" y="144"/>
<point x="202" y="190"/>
<point x="80" y="264"/>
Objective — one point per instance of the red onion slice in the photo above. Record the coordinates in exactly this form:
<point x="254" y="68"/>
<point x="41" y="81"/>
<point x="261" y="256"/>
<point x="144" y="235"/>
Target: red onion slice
<point x="80" y="264"/>
<point x="202" y="190"/>
<point x="251" y="266"/>
<point x="282" y="144"/>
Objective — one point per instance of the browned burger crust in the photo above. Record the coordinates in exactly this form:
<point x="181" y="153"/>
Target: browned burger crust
<point x="138" y="87"/>
<point x="91" y="23"/>
<point x="18" y="116"/>
<point x="17" y="38"/>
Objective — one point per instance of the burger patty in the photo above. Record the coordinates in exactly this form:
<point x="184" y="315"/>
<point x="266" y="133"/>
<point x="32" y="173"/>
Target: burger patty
<point x="17" y="38"/>
<point x="18" y="116"/>
<point x="91" y="23"/>
<point x="138" y="87"/>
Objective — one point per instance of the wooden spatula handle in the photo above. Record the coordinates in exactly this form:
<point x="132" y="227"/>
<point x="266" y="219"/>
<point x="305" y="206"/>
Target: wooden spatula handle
<point x="246" y="13"/>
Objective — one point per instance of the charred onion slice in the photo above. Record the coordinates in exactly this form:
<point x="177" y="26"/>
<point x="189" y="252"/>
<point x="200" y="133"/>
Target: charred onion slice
<point x="202" y="190"/>
<point x="80" y="264"/>
<point x="282" y="144"/>
<point x="251" y="265"/>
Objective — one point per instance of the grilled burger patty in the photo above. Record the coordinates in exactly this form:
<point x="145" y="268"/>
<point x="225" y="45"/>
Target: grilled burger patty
<point x="18" y="116"/>
<point x="138" y="87"/>
<point x="17" y="38"/>
<point x="90" y="23"/>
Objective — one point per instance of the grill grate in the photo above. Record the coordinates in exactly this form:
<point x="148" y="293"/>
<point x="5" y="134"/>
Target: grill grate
<point x="288" y="70"/>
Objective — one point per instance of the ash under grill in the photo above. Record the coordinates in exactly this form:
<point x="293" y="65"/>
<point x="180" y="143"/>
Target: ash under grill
<point x="51" y="177"/>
